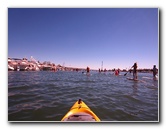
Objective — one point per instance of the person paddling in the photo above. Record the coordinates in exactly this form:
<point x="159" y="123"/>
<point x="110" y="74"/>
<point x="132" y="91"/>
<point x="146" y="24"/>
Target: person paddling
<point x="135" y="70"/>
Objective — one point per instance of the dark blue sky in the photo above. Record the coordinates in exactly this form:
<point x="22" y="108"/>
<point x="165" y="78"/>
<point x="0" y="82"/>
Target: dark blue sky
<point x="82" y="37"/>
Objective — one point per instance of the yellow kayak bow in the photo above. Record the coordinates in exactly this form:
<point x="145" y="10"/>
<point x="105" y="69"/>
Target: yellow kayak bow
<point x="80" y="112"/>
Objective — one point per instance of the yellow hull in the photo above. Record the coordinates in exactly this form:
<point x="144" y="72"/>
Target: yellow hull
<point x="80" y="112"/>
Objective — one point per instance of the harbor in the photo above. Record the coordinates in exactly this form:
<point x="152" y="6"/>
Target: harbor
<point x="48" y="94"/>
<point x="58" y="56"/>
<point x="17" y="64"/>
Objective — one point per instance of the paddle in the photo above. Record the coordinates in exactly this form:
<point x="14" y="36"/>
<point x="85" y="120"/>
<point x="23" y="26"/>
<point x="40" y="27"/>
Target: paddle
<point x="127" y="72"/>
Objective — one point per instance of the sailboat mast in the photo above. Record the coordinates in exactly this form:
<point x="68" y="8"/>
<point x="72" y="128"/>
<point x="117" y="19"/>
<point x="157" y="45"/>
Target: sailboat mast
<point x="102" y="65"/>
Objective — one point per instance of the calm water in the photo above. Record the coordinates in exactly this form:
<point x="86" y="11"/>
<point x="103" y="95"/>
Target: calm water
<point x="47" y="96"/>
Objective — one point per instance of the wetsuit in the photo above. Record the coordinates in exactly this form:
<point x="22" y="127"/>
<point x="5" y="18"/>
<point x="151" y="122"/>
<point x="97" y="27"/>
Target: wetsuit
<point x="135" y="71"/>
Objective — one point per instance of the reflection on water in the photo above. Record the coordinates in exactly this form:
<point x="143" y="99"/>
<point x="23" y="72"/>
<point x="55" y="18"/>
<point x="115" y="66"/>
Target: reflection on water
<point x="135" y="89"/>
<point x="47" y="96"/>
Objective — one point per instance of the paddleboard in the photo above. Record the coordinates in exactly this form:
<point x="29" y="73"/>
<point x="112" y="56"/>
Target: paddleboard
<point x="154" y="78"/>
<point x="87" y="74"/>
<point x="132" y="79"/>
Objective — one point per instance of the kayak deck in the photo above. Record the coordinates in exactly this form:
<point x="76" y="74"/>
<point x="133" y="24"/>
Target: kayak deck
<point x="80" y="117"/>
<point x="80" y="112"/>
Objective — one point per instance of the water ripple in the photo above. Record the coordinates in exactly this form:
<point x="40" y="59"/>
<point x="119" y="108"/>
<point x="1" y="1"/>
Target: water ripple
<point x="47" y="96"/>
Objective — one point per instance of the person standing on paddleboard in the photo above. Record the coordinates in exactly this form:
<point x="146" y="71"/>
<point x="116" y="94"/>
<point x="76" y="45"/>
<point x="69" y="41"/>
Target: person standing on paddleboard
<point x="154" y="71"/>
<point x="135" y="70"/>
<point x="87" y="69"/>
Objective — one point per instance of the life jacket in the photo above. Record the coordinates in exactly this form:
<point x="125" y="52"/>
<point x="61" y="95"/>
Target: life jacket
<point x="116" y="72"/>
